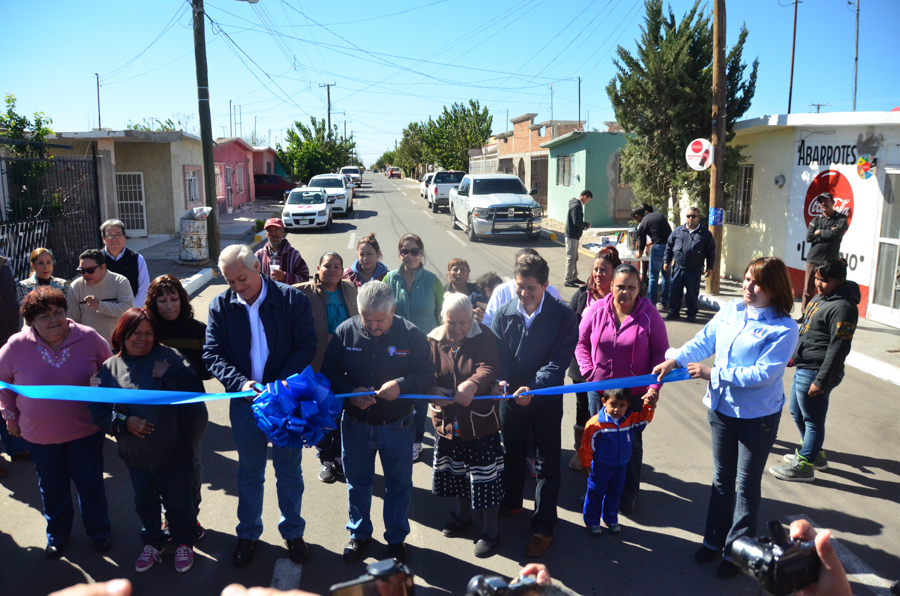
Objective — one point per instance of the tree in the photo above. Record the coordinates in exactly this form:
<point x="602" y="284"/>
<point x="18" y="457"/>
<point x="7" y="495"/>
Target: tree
<point x="411" y="151"/>
<point x="448" y="139"/>
<point x="310" y="151"/>
<point x="663" y="97"/>
<point x="20" y="128"/>
<point x="178" y="121"/>
<point x="254" y="140"/>
<point x="30" y="194"/>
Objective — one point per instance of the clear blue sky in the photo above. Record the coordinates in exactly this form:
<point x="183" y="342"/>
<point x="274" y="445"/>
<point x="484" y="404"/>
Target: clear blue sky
<point x="399" y="62"/>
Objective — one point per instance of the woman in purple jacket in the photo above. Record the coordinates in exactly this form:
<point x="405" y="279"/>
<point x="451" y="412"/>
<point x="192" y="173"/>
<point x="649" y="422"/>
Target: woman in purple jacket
<point x="623" y="335"/>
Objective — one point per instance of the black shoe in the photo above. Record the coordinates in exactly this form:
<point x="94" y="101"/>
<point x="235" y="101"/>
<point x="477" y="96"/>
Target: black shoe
<point x="297" y="550"/>
<point x="578" y="281"/>
<point x="571" y="284"/>
<point x="456" y="525"/>
<point x="339" y="467"/>
<point x="673" y="316"/>
<point x="705" y="555"/>
<point x="243" y="552"/>
<point x="727" y="570"/>
<point x="398" y="551"/>
<point x="103" y="545"/>
<point x="691" y="319"/>
<point x="326" y="472"/>
<point x="626" y="506"/>
<point x="53" y="552"/>
<point x="354" y="549"/>
<point x="486" y="546"/>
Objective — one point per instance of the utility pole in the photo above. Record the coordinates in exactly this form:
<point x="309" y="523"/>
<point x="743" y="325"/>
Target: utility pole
<point x="328" y="87"/>
<point x="209" y="171"/>
<point x="345" y="129"/>
<point x="551" y="110"/>
<point x="856" y="56"/>
<point x="820" y="105"/>
<point x="241" y="114"/>
<point x="717" y="173"/>
<point x="230" y="129"/>
<point x="579" y="104"/>
<point x="100" y="124"/>
<point x="507" y="120"/>
<point x="793" y="49"/>
<point x="254" y="128"/>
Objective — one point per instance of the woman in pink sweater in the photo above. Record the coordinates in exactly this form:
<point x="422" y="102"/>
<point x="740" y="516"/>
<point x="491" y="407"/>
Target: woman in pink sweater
<point x="65" y="445"/>
<point x="623" y="335"/>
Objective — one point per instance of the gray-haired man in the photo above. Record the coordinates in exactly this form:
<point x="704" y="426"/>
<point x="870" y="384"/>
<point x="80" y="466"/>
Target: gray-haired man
<point x="382" y="352"/>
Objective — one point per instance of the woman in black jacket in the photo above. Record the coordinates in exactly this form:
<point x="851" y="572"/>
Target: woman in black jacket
<point x="596" y="287"/>
<point x="156" y="442"/>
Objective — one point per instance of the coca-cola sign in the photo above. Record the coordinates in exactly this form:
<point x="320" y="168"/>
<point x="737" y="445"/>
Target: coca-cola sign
<point x="835" y="183"/>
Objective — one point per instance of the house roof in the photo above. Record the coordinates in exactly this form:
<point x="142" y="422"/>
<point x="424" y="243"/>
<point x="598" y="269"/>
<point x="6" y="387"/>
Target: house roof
<point x="128" y="136"/>
<point x="522" y="118"/>
<point x="261" y="149"/>
<point x="222" y="141"/>
<point x="775" y="121"/>
<point x="555" y="123"/>
<point x="504" y="135"/>
<point x="563" y="139"/>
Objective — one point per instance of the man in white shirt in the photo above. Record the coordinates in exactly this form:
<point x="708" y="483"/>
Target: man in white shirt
<point x="259" y="331"/>
<point x="507" y="291"/>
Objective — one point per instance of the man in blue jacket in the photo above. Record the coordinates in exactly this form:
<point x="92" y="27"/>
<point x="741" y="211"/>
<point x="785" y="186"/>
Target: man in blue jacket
<point x="690" y="245"/>
<point x="536" y="339"/>
<point x="259" y="331"/>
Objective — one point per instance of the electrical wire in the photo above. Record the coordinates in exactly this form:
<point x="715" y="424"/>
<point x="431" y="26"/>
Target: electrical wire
<point x="385" y="16"/>
<point x="178" y="14"/>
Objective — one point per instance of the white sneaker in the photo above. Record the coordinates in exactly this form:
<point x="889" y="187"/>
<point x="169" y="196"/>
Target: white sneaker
<point x="417" y="451"/>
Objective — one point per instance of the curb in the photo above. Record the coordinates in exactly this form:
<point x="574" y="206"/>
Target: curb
<point x="548" y="235"/>
<point x="195" y="283"/>
<point x="867" y="364"/>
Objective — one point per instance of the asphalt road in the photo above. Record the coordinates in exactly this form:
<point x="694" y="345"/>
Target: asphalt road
<point x="857" y="497"/>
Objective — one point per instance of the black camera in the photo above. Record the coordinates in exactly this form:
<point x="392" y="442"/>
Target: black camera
<point x="781" y="565"/>
<point x="491" y="585"/>
<point x="384" y="578"/>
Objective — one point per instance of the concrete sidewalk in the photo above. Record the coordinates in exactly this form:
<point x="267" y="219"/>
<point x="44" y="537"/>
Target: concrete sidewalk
<point x="876" y="347"/>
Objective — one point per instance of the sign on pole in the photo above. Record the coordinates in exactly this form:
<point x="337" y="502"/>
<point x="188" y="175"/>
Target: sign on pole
<point x="699" y="154"/>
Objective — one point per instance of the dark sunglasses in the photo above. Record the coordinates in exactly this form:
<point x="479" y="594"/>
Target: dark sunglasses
<point x="692" y="216"/>
<point x="410" y="251"/>
<point x="88" y="270"/>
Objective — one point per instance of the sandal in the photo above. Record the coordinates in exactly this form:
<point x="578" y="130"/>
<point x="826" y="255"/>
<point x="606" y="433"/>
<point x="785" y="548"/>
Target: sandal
<point x="456" y="525"/>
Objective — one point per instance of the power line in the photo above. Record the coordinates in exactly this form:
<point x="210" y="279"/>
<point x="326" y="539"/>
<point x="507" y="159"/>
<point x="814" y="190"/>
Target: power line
<point x="178" y="14"/>
<point x="385" y="16"/>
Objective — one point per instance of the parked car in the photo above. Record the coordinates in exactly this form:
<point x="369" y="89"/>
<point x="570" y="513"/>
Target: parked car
<point x="336" y="188"/>
<point x="492" y="205"/>
<point x="423" y="185"/>
<point x="439" y="192"/>
<point x="350" y="184"/>
<point x="395" y="173"/>
<point x="355" y="173"/>
<point x="387" y="170"/>
<point x="272" y="185"/>
<point x="308" y="208"/>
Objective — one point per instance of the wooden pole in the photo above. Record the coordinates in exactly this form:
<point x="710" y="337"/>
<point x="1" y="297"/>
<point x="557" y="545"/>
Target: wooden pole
<point x="717" y="173"/>
<point x="793" y="49"/>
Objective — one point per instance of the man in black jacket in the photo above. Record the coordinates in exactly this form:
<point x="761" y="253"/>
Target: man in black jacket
<point x="824" y="236"/>
<point x="690" y="245"/>
<point x="575" y="227"/>
<point x="656" y="226"/>
<point x="381" y="352"/>
<point x="536" y="337"/>
<point x="825" y="337"/>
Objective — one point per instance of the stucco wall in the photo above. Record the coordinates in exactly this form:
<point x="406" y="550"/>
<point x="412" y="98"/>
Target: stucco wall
<point x="155" y="161"/>
<point x="187" y="153"/>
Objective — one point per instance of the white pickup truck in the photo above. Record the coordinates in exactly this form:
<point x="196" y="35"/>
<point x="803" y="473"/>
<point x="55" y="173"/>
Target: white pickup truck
<point x="494" y="205"/>
<point x="355" y="173"/>
<point x="438" y="192"/>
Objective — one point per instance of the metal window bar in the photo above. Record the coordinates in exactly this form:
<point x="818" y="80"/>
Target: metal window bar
<point x="130" y="201"/>
<point x="738" y="212"/>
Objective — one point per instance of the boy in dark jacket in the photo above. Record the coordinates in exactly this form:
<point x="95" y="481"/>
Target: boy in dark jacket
<point x="825" y="337"/>
<point x="604" y="454"/>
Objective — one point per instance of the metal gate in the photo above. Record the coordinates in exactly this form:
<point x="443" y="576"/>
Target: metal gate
<point x="52" y="203"/>
<point x="130" y="202"/>
<point x="539" y="165"/>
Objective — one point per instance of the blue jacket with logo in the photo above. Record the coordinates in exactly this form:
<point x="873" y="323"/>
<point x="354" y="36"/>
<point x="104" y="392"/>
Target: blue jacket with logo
<point x="690" y="250"/>
<point x="356" y="359"/>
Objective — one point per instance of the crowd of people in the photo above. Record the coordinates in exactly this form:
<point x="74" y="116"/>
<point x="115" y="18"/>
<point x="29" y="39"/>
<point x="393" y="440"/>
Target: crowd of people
<point x="478" y="350"/>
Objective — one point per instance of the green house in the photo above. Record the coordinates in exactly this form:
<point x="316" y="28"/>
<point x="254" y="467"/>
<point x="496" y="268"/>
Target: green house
<point x="588" y="160"/>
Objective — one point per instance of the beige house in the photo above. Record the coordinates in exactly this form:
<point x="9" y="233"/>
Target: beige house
<point x="147" y="179"/>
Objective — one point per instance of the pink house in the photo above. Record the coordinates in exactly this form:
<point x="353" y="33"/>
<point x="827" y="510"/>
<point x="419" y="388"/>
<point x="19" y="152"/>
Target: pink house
<point x="234" y="178"/>
<point x="263" y="160"/>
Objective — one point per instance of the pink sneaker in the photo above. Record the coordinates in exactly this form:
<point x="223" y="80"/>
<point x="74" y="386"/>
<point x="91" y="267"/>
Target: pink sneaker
<point x="184" y="558"/>
<point x="148" y="557"/>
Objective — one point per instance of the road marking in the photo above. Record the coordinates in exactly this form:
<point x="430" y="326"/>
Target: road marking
<point x="286" y="575"/>
<point x="457" y="238"/>
<point x="352" y="244"/>
<point x="428" y="214"/>
<point x="857" y="571"/>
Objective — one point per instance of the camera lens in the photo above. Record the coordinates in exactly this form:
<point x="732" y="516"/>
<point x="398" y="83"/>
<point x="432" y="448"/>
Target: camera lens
<point x="747" y="553"/>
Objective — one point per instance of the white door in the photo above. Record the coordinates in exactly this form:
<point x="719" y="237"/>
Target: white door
<point x="130" y="202"/>
<point x="885" y="306"/>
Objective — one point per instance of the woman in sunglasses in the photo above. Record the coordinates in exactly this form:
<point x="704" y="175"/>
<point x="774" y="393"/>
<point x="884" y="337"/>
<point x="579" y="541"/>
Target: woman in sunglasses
<point x="418" y="297"/>
<point x="99" y="297"/>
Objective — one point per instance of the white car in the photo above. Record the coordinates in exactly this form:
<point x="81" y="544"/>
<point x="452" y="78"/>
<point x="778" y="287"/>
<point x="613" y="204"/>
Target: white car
<point x="336" y="187"/>
<point x="355" y="173"/>
<point x="494" y="205"/>
<point x="350" y="184"/>
<point x="423" y="186"/>
<point x="307" y="208"/>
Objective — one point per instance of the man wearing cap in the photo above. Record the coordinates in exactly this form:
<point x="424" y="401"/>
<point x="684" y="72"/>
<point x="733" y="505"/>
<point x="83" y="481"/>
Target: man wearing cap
<point x="824" y="238"/>
<point x="278" y="259"/>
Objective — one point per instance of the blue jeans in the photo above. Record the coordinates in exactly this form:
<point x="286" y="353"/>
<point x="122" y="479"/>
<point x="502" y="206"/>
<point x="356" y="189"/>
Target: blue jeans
<point x="654" y="293"/>
<point x="252" y="448"/>
<point x="13" y="445"/>
<point x="635" y="464"/>
<point x="58" y="466"/>
<point x="809" y="412"/>
<point x="740" y="449"/>
<point x="174" y="485"/>
<point x="604" y="491"/>
<point x="393" y="443"/>
<point x="685" y="281"/>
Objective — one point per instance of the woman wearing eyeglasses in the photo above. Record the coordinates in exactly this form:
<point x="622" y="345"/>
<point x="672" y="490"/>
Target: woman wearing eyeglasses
<point x="418" y="297"/>
<point x="99" y="297"/>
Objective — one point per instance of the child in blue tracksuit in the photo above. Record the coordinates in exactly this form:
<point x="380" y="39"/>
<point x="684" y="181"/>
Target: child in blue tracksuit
<point x="604" y="452"/>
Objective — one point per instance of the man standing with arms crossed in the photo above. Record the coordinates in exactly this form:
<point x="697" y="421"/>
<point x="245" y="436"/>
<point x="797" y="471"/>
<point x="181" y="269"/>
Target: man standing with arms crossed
<point x="655" y="225"/>
<point x="575" y="227"/>
<point x="690" y="245"/>
<point x="824" y="236"/>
